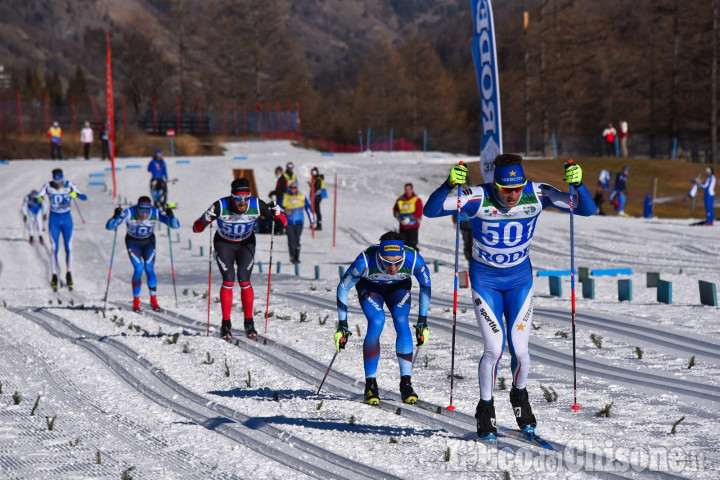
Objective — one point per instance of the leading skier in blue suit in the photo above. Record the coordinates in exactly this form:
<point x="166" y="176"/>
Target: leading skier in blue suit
<point x="383" y="274"/>
<point x="60" y="193"/>
<point x="503" y="215"/>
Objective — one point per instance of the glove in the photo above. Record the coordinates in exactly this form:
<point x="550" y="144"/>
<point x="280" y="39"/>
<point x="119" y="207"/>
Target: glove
<point x="421" y="331"/>
<point x="341" y="336"/>
<point x="277" y="210"/>
<point x="458" y="173"/>
<point x="199" y="225"/>
<point x="73" y="194"/>
<point x="24" y="218"/>
<point x="405" y="220"/>
<point x="573" y="174"/>
<point x="169" y="213"/>
<point x="118" y="212"/>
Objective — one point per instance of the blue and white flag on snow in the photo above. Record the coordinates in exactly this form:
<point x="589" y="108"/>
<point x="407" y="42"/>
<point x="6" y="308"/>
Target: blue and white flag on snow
<point x="486" y="70"/>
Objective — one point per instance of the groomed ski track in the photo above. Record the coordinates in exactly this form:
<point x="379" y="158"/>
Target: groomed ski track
<point x="311" y="371"/>
<point x="140" y="374"/>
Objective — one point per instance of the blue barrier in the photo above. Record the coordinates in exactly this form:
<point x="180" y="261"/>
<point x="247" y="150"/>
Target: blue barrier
<point x="341" y="271"/>
<point x="611" y="271"/>
<point x="183" y="161"/>
<point x="588" y="288"/>
<point x="133" y="166"/>
<point x="279" y="264"/>
<point x="554" y="273"/>
<point x="4" y="162"/>
<point x="109" y="169"/>
<point x="240" y="157"/>
<point x="708" y="293"/>
<point x="625" y="290"/>
<point x="97" y="174"/>
<point x="97" y="184"/>
<point x="555" y="286"/>
<point x="317" y="272"/>
<point x="664" y="292"/>
<point x="327" y="154"/>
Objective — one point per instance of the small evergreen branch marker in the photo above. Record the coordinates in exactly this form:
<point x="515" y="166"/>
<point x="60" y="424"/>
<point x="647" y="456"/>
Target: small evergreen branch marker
<point x="37" y="401"/>
<point x="605" y="412"/>
<point x="673" y="431"/>
<point x="639" y="353"/>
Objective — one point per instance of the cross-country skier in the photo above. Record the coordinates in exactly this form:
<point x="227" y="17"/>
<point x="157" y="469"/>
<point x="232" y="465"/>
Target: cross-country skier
<point x="503" y="215"/>
<point x="708" y="185"/>
<point x="619" y="193"/>
<point x="158" y="180"/>
<point x="141" y="221"/>
<point x="60" y="193"/>
<point x="382" y="274"/>
<point x="33" y="211"/>
<point x="234" y="243"/>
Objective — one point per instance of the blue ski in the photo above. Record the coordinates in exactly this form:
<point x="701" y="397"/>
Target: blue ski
<point x="529" y="437"/>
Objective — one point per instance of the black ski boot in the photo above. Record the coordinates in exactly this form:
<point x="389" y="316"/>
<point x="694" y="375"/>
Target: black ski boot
<point x="250" y="329"/>
<point x="32" y="240"/>
<point x="68" y="278"/>
<point x="523" y="413"/>
<point x="225" y="327"/>
<point x="406" y="390"/>
<point x="371" y="391"/>
<point x="485" y="416"/>
<point x="54" y="283"/>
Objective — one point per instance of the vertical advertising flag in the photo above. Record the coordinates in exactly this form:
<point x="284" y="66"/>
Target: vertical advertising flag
<point x="110" y="114"/>
<point x="486" y="69"/>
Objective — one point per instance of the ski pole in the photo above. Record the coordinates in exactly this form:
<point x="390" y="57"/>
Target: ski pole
<point x="209" y="280"/>
<point x="451" y="407"/>
<point x="575" y="406"/>
<point x="327" y="372"/>
<point x="112" y="257"/>
<point x="417" y="352"/>
<point x="312" y="203"/>
<point x="172" y="268"/>
<point x="267" y="300"/>
<point x="80" y="212"/>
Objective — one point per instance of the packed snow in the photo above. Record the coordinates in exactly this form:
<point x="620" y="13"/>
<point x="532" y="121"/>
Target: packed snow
<point x="123" y="399"/>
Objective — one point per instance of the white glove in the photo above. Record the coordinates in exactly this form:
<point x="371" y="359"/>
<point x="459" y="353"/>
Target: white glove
<point x="277" y="210"/>
<point x="405" y="220"/>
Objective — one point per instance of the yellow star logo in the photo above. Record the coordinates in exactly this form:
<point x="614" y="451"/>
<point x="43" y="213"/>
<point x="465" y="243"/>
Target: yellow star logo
<point x="512" y="173"/>
<point x="521" y="326"/>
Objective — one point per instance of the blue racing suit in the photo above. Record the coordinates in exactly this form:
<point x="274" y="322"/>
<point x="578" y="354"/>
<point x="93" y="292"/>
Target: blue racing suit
<point x="60" y="220"/>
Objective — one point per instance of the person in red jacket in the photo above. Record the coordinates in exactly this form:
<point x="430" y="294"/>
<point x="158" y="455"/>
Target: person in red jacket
<point x="408" y="210"/>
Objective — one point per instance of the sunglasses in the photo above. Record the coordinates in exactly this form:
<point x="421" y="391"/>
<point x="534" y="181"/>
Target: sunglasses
<point x="388" y="263"/>
<point x="143" y="209"/>
<point x="241" y="198"/>
<point x="510" y="189"/>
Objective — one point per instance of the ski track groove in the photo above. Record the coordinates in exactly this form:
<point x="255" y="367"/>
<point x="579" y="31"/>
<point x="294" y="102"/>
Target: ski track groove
<point x="460" y="424"/>
<point x="259" y="437"/>
<point x="549" y="356"/>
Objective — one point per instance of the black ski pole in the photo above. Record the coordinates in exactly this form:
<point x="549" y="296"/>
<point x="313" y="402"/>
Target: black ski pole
<point x="575" y="406"/>
<point x="327" y="372"/>
<point x="172" y="267"/>
<point x="112" y="257"/>
<point x="451" y="407"/>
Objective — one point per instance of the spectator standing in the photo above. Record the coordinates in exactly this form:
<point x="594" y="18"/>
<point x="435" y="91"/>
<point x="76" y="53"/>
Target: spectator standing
<point x="408" y="210"/>
<point x="317" y="189"/>
<point x="54" y="133"/>
<point x="105" y="140"/>
<point x="86" y="137"/>
<point x="708" y="185"/>
<point x="294" y="203"/>
<point x="622" y="135"/>
<point x="609" y="135"/>
<point x="289" y="175"/>
<point x="603" y="187"/>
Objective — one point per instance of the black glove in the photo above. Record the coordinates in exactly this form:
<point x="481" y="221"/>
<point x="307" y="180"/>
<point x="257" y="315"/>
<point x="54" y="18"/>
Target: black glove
<point x="421" y="331"/>
<point x="118" y="212"/>
<point x="169" y="213"/>
<point x="24" y="218"/>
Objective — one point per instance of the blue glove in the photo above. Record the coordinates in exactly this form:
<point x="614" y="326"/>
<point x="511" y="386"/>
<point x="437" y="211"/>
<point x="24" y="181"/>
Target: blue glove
<point x="82" y="196"/>
<point x="341" y="336"/>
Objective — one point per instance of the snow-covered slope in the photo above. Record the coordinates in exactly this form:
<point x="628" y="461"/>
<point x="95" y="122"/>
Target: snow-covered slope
<point x="125" y="398"/>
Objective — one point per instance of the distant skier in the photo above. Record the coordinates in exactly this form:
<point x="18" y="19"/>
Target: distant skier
<point x="294" y="203"/>
<point x="33" y="211"/>
<point x="141" y="221"/>
<point x="382" y="274"/>
<point x="234" y="243"/>
<point x="503" y="216"/>
<point x="708" y="185"/>
<point x="619" y="193"/>
<point x="60" y="193"/>
<point x="159" y="179"/>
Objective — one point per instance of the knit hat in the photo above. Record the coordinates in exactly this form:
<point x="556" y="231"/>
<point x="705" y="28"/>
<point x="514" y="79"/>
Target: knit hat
<point x="240" y="186"/>
<point x="391" y="248"/>
<point x="510" y="175"/>
<point x="58" y="175"/>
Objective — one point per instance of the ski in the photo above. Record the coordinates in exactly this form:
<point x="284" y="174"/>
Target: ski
<point x="499" y="444"/>
<point x="528" y="437"/>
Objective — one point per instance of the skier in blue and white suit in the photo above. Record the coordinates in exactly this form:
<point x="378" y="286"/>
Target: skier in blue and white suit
<point x="503" y="215"/>
<point x="34" y="210"/>
<point x="141" y="221"/>
<point x="383" y="274"/>
<point x="60" y="193"/>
